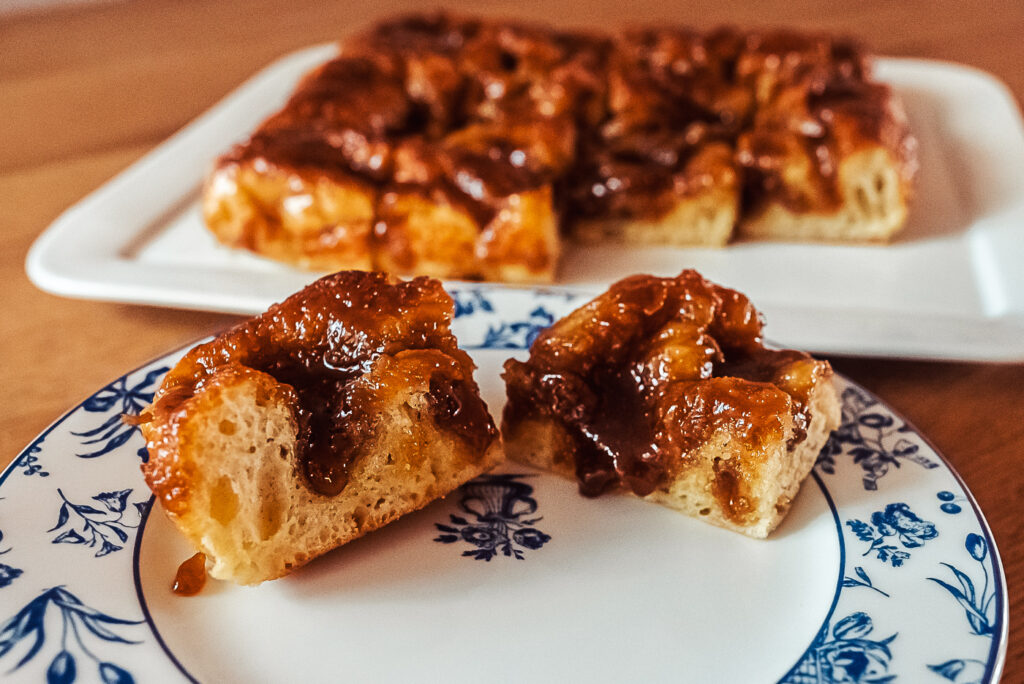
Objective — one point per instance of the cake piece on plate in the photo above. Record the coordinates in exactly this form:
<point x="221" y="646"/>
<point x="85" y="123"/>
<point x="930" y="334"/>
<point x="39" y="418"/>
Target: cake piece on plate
<point x="431" y="145"/>
<point x="663" y="388"/>
<point x="328" y="416"/>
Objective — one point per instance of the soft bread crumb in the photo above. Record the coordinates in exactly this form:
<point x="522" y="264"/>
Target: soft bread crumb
<point x="249" y="510"/>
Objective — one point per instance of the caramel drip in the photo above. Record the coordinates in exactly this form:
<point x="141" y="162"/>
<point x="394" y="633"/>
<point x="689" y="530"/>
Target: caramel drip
<point x="190" y="578"/>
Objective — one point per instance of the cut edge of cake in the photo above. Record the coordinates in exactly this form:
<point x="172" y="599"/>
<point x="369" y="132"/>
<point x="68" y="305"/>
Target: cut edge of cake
<point x="543" y="443"/>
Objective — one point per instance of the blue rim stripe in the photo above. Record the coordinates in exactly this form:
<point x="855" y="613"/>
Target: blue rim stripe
<point x="839" y="580"/>
<point x="137" y="577"/>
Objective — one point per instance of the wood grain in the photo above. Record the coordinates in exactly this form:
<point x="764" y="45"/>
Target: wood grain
<point x="86" y="91"/>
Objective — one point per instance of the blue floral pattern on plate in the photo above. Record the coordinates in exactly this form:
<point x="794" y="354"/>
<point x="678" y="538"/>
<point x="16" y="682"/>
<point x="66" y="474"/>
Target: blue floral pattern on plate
<point x="876" y="439"/>
<point x="7" y="573"/>
<point x="979" y="606"/>
<point x="897" y="520"/>
<point x="116" y="400"/>
<point x="104" y="529"/>
<point x="77" y="621"/>
<point x="961" y="670"/>
<point x="848" y="653"/>
<point x="867" y="635"/>
<point x="29" y="462"/>
<point x="861" y="579"/>
<point x="950" y="502"/>
<point x="499" y="505"/>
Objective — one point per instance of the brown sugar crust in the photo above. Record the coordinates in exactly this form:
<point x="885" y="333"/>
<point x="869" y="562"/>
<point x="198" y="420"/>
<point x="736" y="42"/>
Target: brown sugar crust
<point x="634" y="386"/>
<point x="499" y="136"/>
<point x="354" y="385"/>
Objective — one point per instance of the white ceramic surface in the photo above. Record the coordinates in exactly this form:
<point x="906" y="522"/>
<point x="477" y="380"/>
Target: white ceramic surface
<point x="884" y="568"/>
<point x="949" y="287"/>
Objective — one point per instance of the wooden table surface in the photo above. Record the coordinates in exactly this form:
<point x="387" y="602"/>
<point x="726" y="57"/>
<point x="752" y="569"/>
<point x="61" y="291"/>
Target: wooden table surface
<point x="85" y="91"/>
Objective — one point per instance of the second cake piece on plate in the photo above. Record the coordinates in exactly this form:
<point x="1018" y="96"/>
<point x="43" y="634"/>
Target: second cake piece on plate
<point x="662" y="387"/>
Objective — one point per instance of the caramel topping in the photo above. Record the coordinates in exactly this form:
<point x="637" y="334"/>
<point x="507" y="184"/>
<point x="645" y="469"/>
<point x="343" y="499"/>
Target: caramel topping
<point x="453" y="402"/>
<point x="335" y="347"/>
<point x="190" y="578"/>
<point x="331" y="422"/>
<point x="654" y="368"/>
<point x="612" y="124"/>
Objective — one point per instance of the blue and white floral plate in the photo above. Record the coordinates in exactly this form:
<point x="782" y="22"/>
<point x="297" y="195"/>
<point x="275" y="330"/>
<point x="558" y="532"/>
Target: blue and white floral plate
<point x="884" y="569"/>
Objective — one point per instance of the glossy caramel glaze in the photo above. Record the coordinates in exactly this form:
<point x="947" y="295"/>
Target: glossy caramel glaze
<point x="469" y="112"/>
<point x="495" y="103"/>
<point x="668" y="96"/>
<point x="774" y="97"/>
<point x="651" y="370"/>
<point x="333" y="347"/>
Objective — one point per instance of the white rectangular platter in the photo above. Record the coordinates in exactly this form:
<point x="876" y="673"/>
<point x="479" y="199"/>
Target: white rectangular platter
<point x="951" y="286"/>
